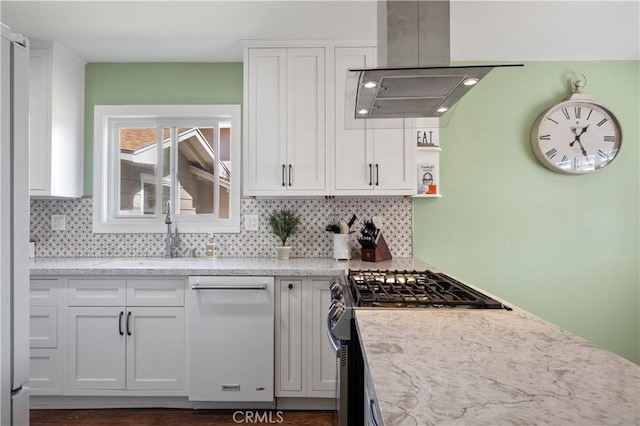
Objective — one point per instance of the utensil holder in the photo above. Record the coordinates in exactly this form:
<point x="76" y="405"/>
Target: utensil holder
<point x="341" y="249"/>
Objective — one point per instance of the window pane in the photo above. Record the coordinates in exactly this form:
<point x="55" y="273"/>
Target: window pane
<point x="166" y="168"/>
<point x="138" y="159"/>
<point x="197" y="165"/>
<point x="225" y="171"/>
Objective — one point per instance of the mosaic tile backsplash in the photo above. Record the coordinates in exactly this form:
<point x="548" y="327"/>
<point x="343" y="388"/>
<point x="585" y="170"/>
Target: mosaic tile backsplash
<point x="312" y="240"/>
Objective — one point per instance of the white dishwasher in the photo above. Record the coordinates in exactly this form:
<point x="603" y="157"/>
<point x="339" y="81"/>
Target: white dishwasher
<point x="231" y="341"/>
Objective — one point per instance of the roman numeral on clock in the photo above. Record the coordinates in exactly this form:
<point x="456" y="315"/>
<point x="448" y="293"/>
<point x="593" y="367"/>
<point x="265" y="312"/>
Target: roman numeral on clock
<point x="609" y="138"/>
<point x="603" y="154"/>
<point x="604" y="120"/>
<point x="589" y="115"/>
<point x="566" y="113"/>
<point x="577" y="111"/>
<point x="549" y="118"/>
<point x="545" y="137"/>
<point x="551" y="153"/>
<point x="576" y="163"/>
<point x="564" y="161"/>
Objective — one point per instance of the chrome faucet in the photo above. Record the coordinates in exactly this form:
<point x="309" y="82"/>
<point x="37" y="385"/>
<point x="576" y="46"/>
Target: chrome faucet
<point x="172" y="240"/>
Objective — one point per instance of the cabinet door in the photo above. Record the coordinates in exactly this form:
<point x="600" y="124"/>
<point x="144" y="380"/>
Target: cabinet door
<point x="39" y="121"/>
<point x="290" y="380"/>
<point x="322" y="356"/>
<point x="56" y="115"/>
<point x="97" y="292"/>
<point x="265" y="149"/>
<point x="45" y="372"/>
<point x="43" y="292"/>
<point x="394" y="160"/>
<point x="155" y="292"/>
<point x="43" y="327"/>
<point x="96" y="342"/>
<point x="353" y="140"/>
<point x="155" y="348"/>
<point x="306" y="156"/>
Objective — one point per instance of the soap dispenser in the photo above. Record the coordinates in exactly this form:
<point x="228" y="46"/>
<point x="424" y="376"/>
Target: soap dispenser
<point x="211" y="247"/>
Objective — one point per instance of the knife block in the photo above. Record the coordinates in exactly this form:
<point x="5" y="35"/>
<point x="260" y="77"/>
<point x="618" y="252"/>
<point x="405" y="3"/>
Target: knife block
<point x="378" y="254"/>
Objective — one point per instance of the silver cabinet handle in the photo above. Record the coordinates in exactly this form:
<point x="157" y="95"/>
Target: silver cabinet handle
<point x="229" y="287"/>
<point x="377" y="175"/>
<point x="283" y="167"/>
<point x="290" y="181"/>
<point x="370" y="174"/>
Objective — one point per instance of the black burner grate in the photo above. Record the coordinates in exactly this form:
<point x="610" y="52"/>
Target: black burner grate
<point x="413" y="289"/>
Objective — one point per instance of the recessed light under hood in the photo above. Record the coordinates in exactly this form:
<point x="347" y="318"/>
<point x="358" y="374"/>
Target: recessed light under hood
<point x="416" y="79"/>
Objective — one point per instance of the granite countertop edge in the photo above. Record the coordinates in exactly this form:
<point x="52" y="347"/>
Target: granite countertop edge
<point x="205" y="266"/>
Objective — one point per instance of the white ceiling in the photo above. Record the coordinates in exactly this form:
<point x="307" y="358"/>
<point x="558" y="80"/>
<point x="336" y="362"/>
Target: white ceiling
<point x="211" y="31"/>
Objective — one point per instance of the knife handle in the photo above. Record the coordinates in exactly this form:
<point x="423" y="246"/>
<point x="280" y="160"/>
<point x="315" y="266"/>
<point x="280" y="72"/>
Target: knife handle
<point x="352" y="221"/>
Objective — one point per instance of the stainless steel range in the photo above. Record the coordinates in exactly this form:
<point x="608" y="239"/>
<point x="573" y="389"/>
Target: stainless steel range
<point x="384" y="289"/>
<point x="413" y="289"/>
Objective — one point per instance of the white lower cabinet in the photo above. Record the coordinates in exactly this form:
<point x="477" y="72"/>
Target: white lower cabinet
<point x="135" y="346"/>
<point x="108" y="336"/>
<point x="45" y="376"/>
<point x="45" y="360"/>
<point x="156" y="348"/>
<point x="305" y="361"/>
<point x="97" y="344"/>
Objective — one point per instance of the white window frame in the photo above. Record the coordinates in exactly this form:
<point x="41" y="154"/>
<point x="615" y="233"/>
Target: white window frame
<point x="106" y="160"/>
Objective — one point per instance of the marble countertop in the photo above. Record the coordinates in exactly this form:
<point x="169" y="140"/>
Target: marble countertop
<point x="487" y="367"/>
<point x="220" y="266"/>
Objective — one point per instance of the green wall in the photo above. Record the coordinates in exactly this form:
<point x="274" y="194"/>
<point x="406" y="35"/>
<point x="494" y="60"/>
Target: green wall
<point x="155" y="83"/>
<point x="563" y="247"/>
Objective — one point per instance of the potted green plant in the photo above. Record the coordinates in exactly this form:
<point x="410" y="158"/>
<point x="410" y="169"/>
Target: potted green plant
<point x="284" y="223"/>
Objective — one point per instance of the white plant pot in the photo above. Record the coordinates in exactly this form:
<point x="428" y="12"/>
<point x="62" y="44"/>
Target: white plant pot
<point x="283" y="252"/>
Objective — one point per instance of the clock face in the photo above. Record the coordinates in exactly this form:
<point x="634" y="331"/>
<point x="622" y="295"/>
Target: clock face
<point x="576" y="137"/>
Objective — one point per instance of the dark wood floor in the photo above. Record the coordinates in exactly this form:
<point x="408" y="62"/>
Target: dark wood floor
<point x="178" y="417"/>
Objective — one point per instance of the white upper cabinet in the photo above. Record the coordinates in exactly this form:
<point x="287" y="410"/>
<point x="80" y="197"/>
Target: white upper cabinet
<point x="56" y="105"/>
<point x="297" y="139"/>
<point x="284" y="122"/>
<point x="369" y="159"/>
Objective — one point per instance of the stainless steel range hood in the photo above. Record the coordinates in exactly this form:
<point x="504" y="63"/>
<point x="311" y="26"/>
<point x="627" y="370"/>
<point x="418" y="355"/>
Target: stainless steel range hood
<point x="415" y="78"/>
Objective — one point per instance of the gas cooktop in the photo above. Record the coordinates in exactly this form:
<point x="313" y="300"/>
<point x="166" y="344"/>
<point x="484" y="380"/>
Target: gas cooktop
<point x="414" y="289"/>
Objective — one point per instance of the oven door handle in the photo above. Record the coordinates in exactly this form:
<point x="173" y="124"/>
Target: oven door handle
<point x="332" y="340"/>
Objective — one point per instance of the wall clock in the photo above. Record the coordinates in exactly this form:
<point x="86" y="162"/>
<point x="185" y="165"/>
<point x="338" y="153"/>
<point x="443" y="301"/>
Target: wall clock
<point x="576" y="136"/>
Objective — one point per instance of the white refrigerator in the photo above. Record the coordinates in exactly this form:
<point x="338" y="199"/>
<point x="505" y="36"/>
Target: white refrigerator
<point x="14" y="229"/>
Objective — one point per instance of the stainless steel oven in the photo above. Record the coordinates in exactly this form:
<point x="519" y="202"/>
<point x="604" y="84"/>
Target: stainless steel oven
<point x="341" y="332"/>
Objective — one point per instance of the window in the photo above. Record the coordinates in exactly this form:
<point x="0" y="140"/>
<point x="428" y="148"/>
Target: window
<point x="151" y="158"/>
